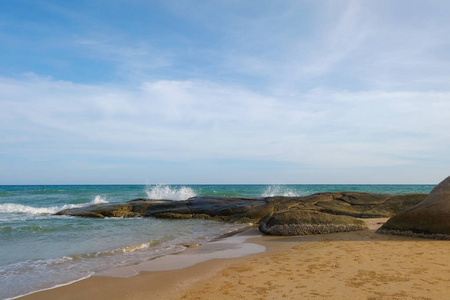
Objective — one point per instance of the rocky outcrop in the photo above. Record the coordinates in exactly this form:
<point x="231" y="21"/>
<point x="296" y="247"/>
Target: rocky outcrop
<point x="355" y="204"/>
<point x="304" y="222"/>
<point x="429" y="218"/>
<point x="317" y="213"/>
<point x="216" y="208"/>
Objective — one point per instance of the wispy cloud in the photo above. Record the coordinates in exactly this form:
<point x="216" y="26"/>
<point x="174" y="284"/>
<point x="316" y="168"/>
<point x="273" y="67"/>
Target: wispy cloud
<point x="331" y="89"/>
<point x="185" y="120"/>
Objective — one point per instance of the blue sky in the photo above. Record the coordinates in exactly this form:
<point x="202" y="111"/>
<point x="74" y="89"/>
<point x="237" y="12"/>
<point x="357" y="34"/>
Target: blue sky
<point x="224" y="91"/>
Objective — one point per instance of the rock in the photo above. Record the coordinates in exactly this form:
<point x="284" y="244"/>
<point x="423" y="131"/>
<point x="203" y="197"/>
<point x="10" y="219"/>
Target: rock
<point x="216" y="208"/>
<point x="191" y="245"/>
<point x="304" y="222"/>
<point x="429" y="218"/>
<point x="116" y="210"/>
<point x="326" y="205"/>
<point x="394" y="205"/>
<point x="225" y="208"/>
<point x="355" y="204"/>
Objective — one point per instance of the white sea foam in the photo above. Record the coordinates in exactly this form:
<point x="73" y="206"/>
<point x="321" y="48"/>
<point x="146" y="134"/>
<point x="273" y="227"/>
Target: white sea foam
<point x="161" y="191"/>
<point x="139" y="247"/>
<point x="19" y="208"/>
<point x="14" y="208"/>
<point x="278" y="190"/>
<point x="99" y="199"/>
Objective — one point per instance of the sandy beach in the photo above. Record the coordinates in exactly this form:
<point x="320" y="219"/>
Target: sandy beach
<point x="352" y="265"/>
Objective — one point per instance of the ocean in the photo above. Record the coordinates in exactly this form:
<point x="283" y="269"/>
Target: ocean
<point x="39" y="250"/>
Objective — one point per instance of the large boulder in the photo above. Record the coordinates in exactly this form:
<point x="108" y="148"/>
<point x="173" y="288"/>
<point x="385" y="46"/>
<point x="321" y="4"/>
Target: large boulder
<point x="304" y="222"/>
<point x="429" y="218"/>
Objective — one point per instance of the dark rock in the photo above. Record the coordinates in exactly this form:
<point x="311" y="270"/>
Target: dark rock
<point x="243" y="210"/>
<point x="429" y="218"/>
<point x="394" y="205"/>
<point x="224" y="208"/>
<point x="217" y="208"/>
<point x="355" y="204"/>
<point x="304" y="222"/>
<point x="116" y="210"/>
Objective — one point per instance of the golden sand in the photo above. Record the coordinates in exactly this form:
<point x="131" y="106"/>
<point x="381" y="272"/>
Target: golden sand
<point x="351" y="265"/>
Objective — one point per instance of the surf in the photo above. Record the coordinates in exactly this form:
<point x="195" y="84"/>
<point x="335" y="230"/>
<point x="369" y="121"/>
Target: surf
<point x="15" y="208"/>
<point x="166" y="192"/>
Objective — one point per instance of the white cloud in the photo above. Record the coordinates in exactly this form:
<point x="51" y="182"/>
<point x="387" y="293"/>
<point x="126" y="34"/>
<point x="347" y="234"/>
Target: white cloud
<point x="326" y="85"/>
<point x="184" y="120"/>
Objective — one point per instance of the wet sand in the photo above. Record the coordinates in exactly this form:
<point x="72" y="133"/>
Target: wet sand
<point x="351" y="265"/>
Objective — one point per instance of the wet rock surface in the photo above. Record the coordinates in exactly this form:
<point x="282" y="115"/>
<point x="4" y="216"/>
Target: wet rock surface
<point x="317" y="213"/>
<point x="429" y="218"/>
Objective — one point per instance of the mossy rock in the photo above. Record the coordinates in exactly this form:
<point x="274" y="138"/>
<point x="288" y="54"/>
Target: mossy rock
<point x="304" y="222"/>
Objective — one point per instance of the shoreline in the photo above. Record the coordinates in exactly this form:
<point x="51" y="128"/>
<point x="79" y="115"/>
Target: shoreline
<point x="230" y="245"/>
<point x="360" y="265"/>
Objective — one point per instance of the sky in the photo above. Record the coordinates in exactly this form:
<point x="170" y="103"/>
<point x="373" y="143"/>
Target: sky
<point x="221" y="92"/>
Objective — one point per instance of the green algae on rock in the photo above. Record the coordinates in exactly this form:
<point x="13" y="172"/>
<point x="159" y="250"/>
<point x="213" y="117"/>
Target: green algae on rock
<point x="304" y="222"/>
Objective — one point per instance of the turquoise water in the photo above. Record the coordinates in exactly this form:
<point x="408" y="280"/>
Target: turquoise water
<point x="39" y="250"/>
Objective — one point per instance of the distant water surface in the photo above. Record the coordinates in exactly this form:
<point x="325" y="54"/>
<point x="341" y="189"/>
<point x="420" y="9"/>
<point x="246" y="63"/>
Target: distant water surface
<point x="39" y="250"/>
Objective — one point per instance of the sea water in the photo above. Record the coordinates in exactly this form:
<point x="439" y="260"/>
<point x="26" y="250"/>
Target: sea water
<point x="39" y="250"/>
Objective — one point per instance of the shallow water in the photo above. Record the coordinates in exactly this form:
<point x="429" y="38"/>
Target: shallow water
<point x="39" y="250"/>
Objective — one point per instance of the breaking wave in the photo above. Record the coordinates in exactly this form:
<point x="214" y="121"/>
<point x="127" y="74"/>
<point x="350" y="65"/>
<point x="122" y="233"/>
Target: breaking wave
<point x="166" y="192"/>
<point x="98" y="200"/>
<point x="14" y="208"/>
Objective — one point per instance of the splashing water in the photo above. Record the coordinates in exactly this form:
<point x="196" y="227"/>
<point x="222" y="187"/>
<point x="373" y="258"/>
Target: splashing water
<point x="24" y="209"/>
<point x="277" y="190"/>
<point x="99" y="200"/>
<point x="161" y="191"/>
<point x="14" y="208"/>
